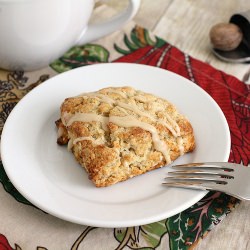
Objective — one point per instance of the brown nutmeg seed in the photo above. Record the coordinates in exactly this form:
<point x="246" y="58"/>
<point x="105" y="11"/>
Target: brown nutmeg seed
<point x="225" y="36"/>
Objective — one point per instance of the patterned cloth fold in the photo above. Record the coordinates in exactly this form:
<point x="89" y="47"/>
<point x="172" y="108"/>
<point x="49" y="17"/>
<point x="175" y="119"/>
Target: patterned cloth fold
<point x="24" y="226"/>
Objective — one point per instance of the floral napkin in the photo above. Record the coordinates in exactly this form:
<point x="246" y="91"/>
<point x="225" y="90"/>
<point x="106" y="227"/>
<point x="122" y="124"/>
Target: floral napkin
<point x="25" y="227"/>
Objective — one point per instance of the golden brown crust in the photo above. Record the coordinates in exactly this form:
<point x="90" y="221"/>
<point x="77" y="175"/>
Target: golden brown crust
<point x="117" y="153"/>
<point x="62" y="137"/>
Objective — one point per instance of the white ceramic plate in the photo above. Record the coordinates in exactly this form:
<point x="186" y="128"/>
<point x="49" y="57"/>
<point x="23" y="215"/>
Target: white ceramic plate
<point x="49" y="177"/>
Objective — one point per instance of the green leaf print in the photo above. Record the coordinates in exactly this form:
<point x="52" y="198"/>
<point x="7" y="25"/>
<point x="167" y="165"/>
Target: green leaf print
<point x="153" y="232"/>
<point x="121" y="51"/>
<point x="146" y="237"/>
<point x="8" y="186"/>
<point x="159" y="42"/>
<point x="97" y="52"/>
<point x="177" y="226"/>
<point x="80" y="56"/>
<point x="136" y="40"/>
<point x="139" y="38"/>
<point x="129" y="44"/>
<point x="148" y="38"/>
<point x="185" y="228"/>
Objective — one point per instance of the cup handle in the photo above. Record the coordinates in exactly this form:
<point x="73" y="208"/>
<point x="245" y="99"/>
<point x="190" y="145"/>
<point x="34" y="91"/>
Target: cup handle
<point x="96" y="31"/>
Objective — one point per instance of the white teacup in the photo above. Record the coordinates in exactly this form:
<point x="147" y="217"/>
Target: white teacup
<point x="36" y="32"/>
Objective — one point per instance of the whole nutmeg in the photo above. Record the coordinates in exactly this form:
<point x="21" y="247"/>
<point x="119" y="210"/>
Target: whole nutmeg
<point x="225" y="36"/>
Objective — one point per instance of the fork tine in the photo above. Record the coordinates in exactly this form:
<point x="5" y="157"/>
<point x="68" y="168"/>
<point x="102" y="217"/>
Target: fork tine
<point x="197" y="179"/>
<point x="191" y="172"/>
<point x="190" y="185"/>
<point x="229" y="178"/>
<point x="208" y="165"/>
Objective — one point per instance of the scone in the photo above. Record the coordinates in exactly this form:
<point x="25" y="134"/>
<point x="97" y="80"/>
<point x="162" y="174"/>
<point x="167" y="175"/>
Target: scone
<point x="118" y="133"/>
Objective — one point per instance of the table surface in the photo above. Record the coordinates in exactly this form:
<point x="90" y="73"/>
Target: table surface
<point x="186" y="24"/>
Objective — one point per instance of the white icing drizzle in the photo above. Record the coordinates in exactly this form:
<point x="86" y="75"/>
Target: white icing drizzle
<point x="135" y="109"/>
<point x="88" y="138"/>
<point x="104" y="98"/>
<point x="172" y="126"/>
<point x="175" y="129"/>
<point x="60" y="132"/>
<point x="130" y="121"/>
<point x="70" y="144"/>
<point x="84" y="138"/>
<point x="180" y="145"/>
<point x="65" y="117"/>
<point x="126" y="121"/>
<point x="116" y="92"/>
<point x="141" y="98"/>
<point x="98" y="94"/>
<point x="88" y="117"/>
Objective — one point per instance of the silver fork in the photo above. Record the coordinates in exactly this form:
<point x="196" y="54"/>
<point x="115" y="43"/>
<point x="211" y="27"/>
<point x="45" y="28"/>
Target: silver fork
<point x="229" y="178"/>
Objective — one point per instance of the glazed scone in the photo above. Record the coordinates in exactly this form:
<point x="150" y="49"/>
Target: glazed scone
<point x="118" y="133"/>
